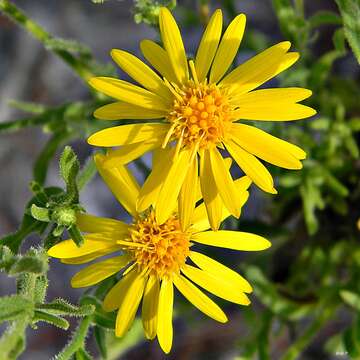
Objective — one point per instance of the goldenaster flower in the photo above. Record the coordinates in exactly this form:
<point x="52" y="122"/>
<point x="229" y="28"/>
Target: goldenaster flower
<point x="152" y="257"/>
<point x="198" y="105"/>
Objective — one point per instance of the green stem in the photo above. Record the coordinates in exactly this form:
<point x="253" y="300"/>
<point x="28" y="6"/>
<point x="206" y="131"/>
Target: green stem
<point x="303" y="341"/>
<point x="11" y="10"/>
<point x="13" y="340"/>
<point x="77" y="341"/>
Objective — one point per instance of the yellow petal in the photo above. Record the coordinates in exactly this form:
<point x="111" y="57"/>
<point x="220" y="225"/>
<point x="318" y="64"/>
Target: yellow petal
<point x="121" y="183"/>
<point x="224" y="183"/>
<point x="95" y="224"/>
<point x="200" y="219"/>
<point x="173" y="44"/>
<point x="128" y="153"/>
<point x="260" y="69"/>
<point x="271" y="96"/>
<point x="129" y="305"/>
<point x="125" y="91"/>
<point x="199" y="299"/>
<point x="68" y="249"/>
<point x="215" y="285"/>
<point x="122" y="110"/>
<point x="141" y="73"/>
<point x="128" y="134"/>
<point x="150" y="307"/>
<point x="235" y="240"/>
<point x="228" y="48"/>
<point x="209" y="191"/>
<point x="252" y="167"/>
<point x="168" y="195"/>
<point x="267" y="147"/>
<point x="116" y="295"/>
<point x="208" y="45"/>
<point x="95" y="273"/>
<point x="158" y="58"/>
<point x="90" y="257"/>
<point x="275" y="112"/>
<point x="165" y="310"/>
<point x="187" y="197"/>
<point x="150" y="190"/>
<point x="221" y="271"/>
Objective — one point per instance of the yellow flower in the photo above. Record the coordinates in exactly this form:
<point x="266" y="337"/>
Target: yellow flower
<point x="152" y="258"/>
<point x="199" y="105"/>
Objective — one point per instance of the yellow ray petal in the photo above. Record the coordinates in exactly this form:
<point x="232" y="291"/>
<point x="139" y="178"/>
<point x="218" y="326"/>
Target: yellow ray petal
<point x="129" y="134"/>
<point x="150" y="307"/>
<point x="224" y="183"/>
<point x="199" y="299"/>
<point x="95" y="273"/>
<point x="158" y="58"/>
<point x="235" y="240"/>
<point x="165" y="310"/>
<point x="228" y="48"/>
<point x="96" y="224"/>
<point x="274" y="112"/>
<point x="128" y="153"/>
<point x="121" y="183"/>
<point x="129" y="305"/>
<point x="209" y="191"/>
<point x="260" y="69"/>
<point x="150" y="190"/>
<point x="252" y="167"/>
<point x="141" y="73"/>
<point x="208" y="45"/>
<point x="122" y="110"/>
<point x="257" y="64"/>
<point x="170" y="189"/>
<point x="187" y="197"/>
<point x="90" y="257"/>
<point x="215" y="285"/>
<point x="200" y="220"/>
<point x="268" y="147"/>
<point x="173" y="44"/>
<point x="116" y="295"/>
<point x="271" y="96"/>
<point x="221" y="271"/>
<point x="125" y="91"/>
<point x="68" y="249"/>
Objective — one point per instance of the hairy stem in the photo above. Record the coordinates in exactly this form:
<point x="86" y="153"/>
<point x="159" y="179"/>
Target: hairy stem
<point x="77" y="340"/>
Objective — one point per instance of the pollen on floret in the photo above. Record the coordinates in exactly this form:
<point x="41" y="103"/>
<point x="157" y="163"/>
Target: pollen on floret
<point x="166" y="246"/>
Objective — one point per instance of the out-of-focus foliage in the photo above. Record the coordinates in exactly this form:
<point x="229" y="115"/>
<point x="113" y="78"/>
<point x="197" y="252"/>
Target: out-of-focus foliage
<point x="304" y="284"/>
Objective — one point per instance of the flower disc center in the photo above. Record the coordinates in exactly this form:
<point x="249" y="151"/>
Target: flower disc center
<point x="201" y="114"/>
<point x="166" y="245"/>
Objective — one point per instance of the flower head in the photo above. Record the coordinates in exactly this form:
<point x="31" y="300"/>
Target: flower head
<point x="152" y="258"/>
<point x="199" y="104"/>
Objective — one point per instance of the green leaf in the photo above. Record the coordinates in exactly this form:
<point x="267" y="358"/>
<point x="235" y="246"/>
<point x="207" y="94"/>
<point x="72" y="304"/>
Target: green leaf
<point x="350" y="298"/>
<point x="87" y="173"/>
<point x="82" y="354"/>
<point x="33" y="262"/>
<point x="50" y="319"/>
<point x="271" y="298"/>
<point x="350" y="13"/>
<point x="40" y="213"/>
<point x="76" y="235"/>
<point x="324" y="17"/>
<point x="62" y="307"/>
<point x="26" y="106"/>
<point x="14" y="307"/>
<point x="69" y="168"/>
<point x="100" y="338"/>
